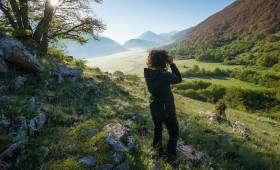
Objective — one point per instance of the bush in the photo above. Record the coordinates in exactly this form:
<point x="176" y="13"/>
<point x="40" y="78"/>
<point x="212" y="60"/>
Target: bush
<point x="267" y="60"/>
<point x="247" y="100"/>
<point x="267" y="79"/>
<point x="195" y="71"/>
<point x="250" y="100"/>
<point x="195" y="85"/>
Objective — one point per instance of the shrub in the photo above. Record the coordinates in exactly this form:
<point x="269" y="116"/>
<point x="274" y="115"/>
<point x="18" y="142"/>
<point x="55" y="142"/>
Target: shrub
<point x="195" y="85"/>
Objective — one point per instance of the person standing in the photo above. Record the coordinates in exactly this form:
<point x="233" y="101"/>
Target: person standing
<point x="158" y="80"/>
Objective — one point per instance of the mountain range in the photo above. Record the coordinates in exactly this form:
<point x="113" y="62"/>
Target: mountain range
<point x="245" y="32"/>
<point x="105" y="46"/>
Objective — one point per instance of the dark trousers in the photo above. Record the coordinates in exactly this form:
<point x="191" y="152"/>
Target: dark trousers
<point x="165" y="113"/>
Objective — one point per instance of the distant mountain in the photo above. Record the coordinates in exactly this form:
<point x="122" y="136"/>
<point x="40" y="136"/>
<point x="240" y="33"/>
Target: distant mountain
<point x="168" y="35"/>
<point x="139" y="44"/>
<point x="150" y="39"/>
<point x="94" y="48"/>
<point x="150" y="36"/>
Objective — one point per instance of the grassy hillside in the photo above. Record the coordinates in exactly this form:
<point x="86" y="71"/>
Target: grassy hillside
<point x="99" y="98"/>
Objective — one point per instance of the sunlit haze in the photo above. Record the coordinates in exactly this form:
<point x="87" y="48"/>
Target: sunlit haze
<point x="54" y="2"/>
<point x="127" y="19"/>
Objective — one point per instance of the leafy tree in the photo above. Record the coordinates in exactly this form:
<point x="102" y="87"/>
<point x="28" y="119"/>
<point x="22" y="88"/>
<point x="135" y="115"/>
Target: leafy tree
<point x="52" y="19"/>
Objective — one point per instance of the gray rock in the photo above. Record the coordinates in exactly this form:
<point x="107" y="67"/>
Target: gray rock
<point x="4" y="99"/>
<point x="191" y="154"/>
<point x="4" y="124"/>
<point x="105" y="167"/>
<point x="4" y="121"/>
<point x="116" y="134"/>
<point x="11" y="150"/>
<point x="88" y="161"/>
<point x="19" y="81"/>
<point x="225" y="137"/>
<point x="155" y="165"/>
<point x="91" y="132"/>
<point x="3" y="88"/>
<point x="29" y="127"/>
<point x="117" y="130"/>
<point x="212" y="116"/>
<point x="46" y="84"/>
<point x="52" y="99"/>
<point x="4" y="165"/>
<point x="3" y="66"/>
<point x="60" y="79"/>
<point x="131" y="116"/>
<point x="115" y="143"/>
<point x="37" y="122"/>
<point x="143" y="131"/>
<point x="13" y="52"/>
<point x="117" y="158"/>
<point x="65" y="71"/>
<point x="241" y="128"/>
<point x="123" y="166"/>
<point x="131" y="143"/>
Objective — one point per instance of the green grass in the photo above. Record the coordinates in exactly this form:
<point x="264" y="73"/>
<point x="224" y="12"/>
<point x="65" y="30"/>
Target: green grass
<point x="207" y="66"/>
<point x="227" y="82"/>
<point x="63" y="141"/>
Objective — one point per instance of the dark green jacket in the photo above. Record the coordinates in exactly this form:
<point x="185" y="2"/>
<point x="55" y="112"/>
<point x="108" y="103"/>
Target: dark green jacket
<point x="158" y="82"/>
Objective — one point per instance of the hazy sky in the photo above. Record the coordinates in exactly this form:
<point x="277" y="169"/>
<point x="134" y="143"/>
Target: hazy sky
<point x="127" y="19"/>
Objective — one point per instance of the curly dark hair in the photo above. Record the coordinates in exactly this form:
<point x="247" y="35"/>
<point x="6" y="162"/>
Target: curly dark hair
<point x="157" y="59"/>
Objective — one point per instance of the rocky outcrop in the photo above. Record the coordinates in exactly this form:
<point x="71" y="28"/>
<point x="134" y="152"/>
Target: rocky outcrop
<point x="211" y="115"/>
<point x="241" y="128"/>
<point x="116" y="136"/>
<point x="123" y="166"/>
<point x="119" y="131"/>
<point x="18" y="82"/>
<point x="21" y="133"/>
<point x="191" y="154"/>
<point x="13" y="52"/>
<point x="63" y="72"/>
<point x="88" y="161"/>
<point x="131" y="116"/>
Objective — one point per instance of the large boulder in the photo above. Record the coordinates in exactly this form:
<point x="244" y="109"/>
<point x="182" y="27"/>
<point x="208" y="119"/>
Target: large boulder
<point x="13" y="52"/>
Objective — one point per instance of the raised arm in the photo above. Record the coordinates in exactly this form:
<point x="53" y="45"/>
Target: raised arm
<point x="175" y="76"/>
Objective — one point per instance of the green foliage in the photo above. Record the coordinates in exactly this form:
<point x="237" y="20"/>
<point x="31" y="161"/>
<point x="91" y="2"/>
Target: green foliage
<point x="267" y="79"/>
<point x="235" y="50"/>
<point x="195" y="85"/>
<point x="196" y="71"/>
<point x="22" y="34"/>
<point x="268" y="60"/>
<point x="247" y="100"/>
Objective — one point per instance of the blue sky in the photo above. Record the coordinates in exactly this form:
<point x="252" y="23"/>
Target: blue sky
<point x="127" y="19"/>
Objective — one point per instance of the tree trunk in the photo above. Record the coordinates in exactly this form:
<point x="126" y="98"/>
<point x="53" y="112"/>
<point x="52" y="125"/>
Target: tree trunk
<point x="16" y="11"/>
<point x="24" y="14"/>
<point x="45" y="43"/>
<point x="8" y="15"/>
<point x="43" y="25"/>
